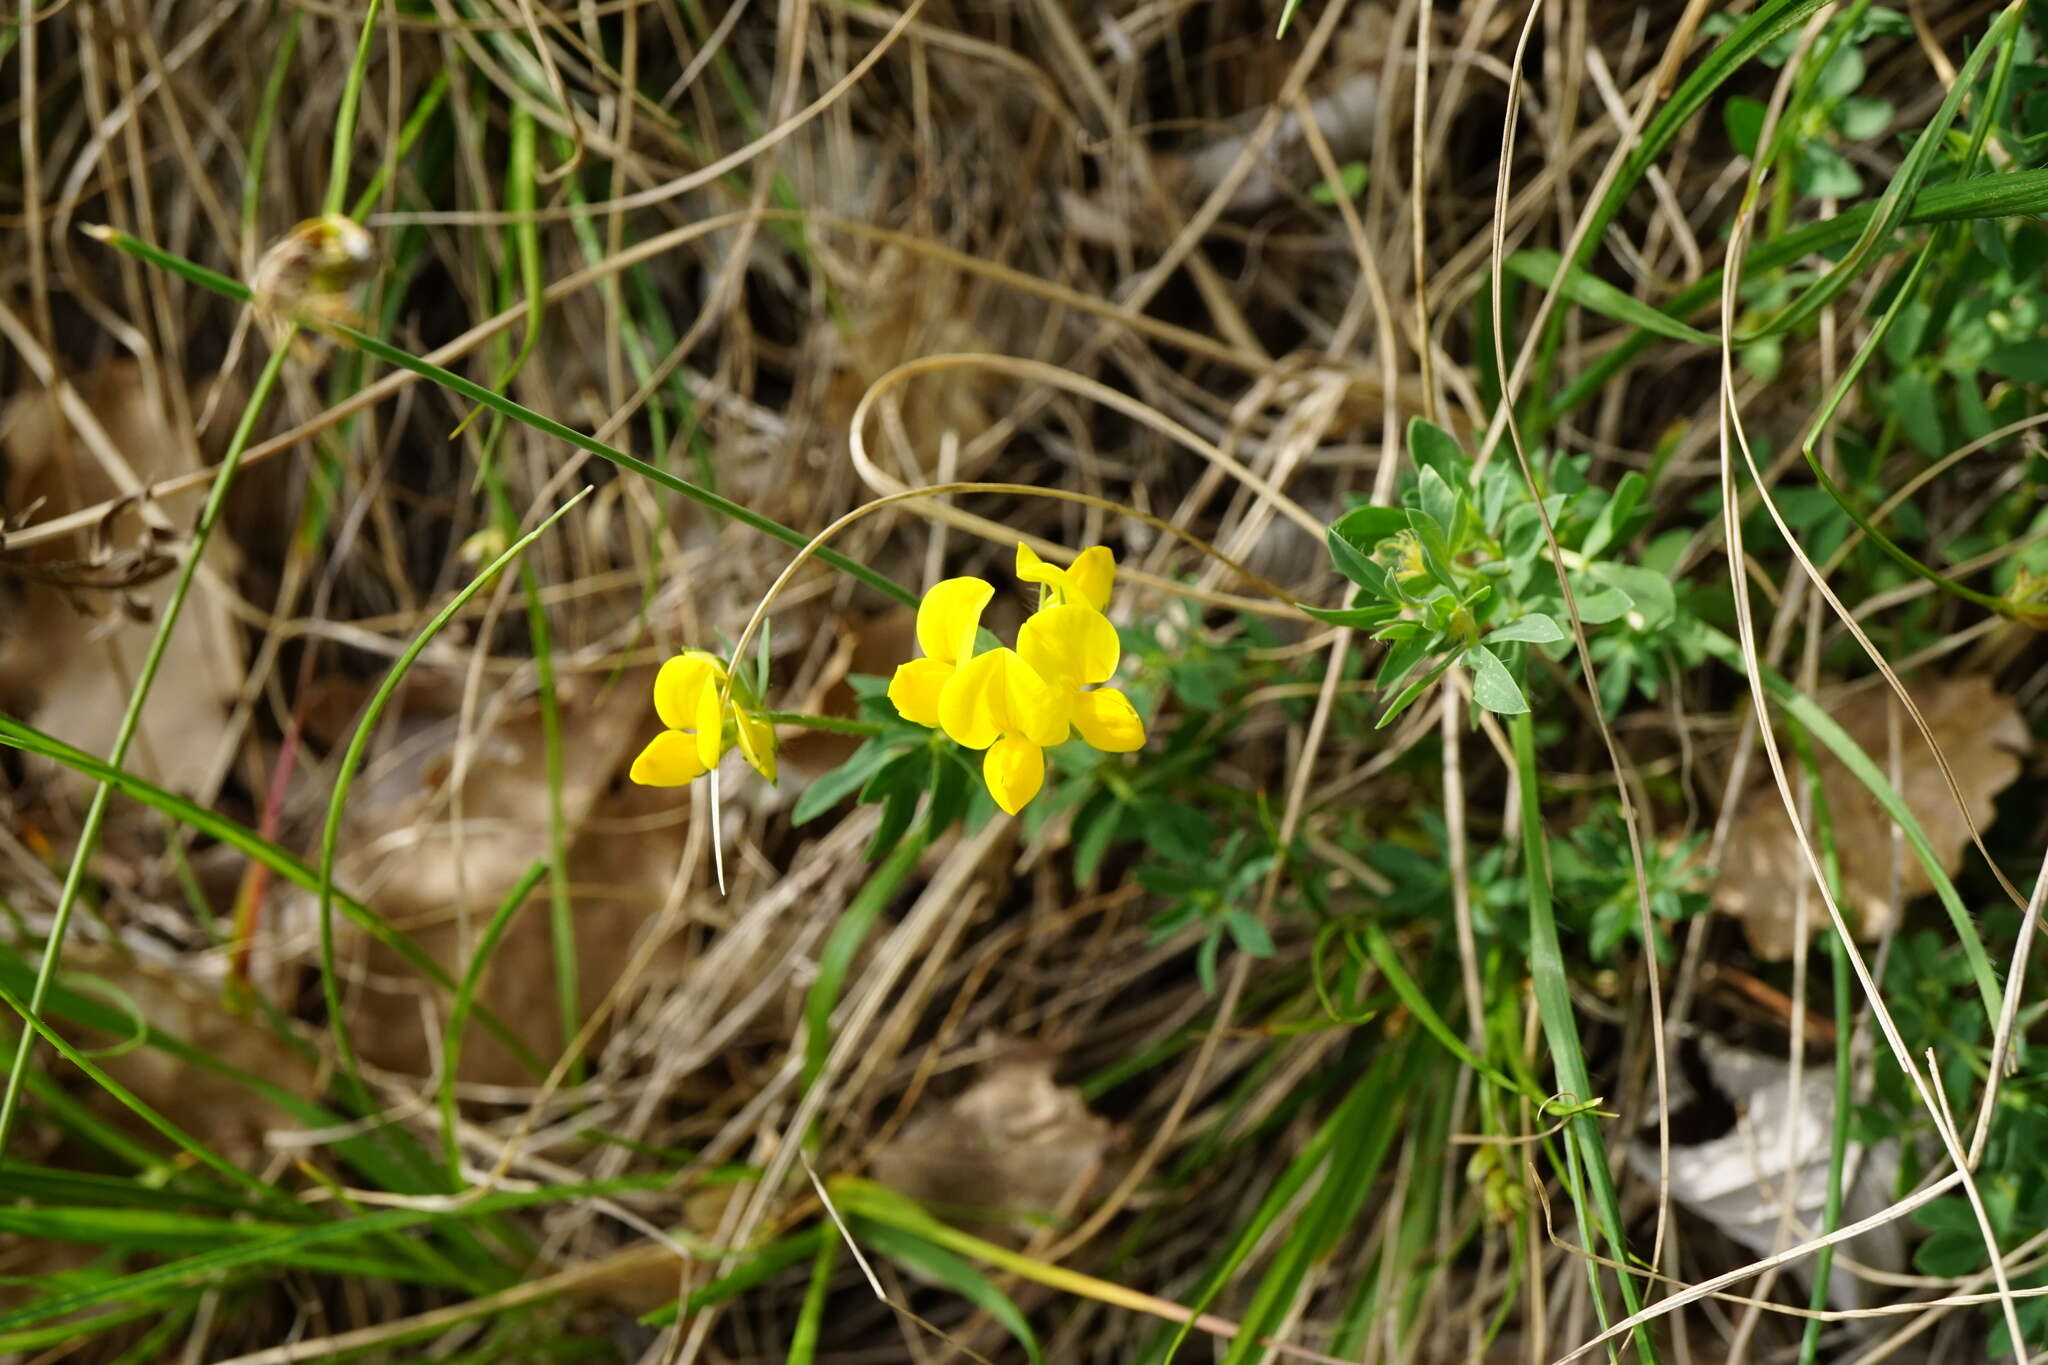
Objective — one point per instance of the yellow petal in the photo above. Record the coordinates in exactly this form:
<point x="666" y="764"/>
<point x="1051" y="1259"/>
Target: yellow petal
<point x="669" y="760"/>
<point x="997" y="693"/>
<point x="973" y="703"/>
<point x="1070" y="646"/>
<point x="1032" y="569"/>
<point x="680" y="683"/>
<point x="1092" y="576"/>
<point x="915" y="689"/>
<point x="1034" y="708"/>
<point x="757" y="742"/>
<point x="1107" y="720"/>
<point x="1086" y="583"/>
<point x="949" y="616"/>
<point x="710" y="725"/>
<point x="1014" y="770"/>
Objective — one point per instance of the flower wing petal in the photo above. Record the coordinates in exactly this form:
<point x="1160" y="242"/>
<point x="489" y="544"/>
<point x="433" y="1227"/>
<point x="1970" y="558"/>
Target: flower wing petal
<point x="949" y="615"/>
<point x="757" y="742"/>
<point x="916" y="687"/>
<point x="680" y="683"/>
<point x="710" y="725"/>
<point x="973" y="704"/>
<point x="1070" y="646"/>
<point x="1014" y="769"/>
<point x="1092" y="577"/>
<point x="1108" y="721"/>
<point x="669" y="760"/>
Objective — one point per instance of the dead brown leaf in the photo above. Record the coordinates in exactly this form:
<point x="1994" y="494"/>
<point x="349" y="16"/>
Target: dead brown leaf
<point x="411" y="859"/>
<point x="1013" y="1147"/>
<point x="1982" y="735"/>
<point x="76" y="621"/>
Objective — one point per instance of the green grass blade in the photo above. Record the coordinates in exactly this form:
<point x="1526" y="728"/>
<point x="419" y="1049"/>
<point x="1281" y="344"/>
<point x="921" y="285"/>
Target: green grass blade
<point x="762" y="1266"/>
<point x="2011" y="194"/>
<point x="129" y="1100"/>
<point x="266" y="118"/>
<point x="261" y="1251"/>
<point x="1891" y="206"/>
<point x="847" y="935"/>
<point x="345" y="115"/>
<point x="803" y="1342"/>
<point x="1540" y="267"/>
<point x="1286" y="1190"/>
<point x="1822" y="727"/>
<point x="424" y="107"/>
<point x="1362" y="1142"/>
<point x="1561" y="1028"/>
<point x="1389" y="962"/>
<point x="942" y="1267"/>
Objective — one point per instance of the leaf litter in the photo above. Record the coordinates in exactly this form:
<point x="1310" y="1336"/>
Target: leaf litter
<point x="1984" y="738"/>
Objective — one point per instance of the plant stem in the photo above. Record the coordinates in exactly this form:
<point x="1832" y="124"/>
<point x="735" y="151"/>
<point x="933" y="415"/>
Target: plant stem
<point x="345" y="116"/>
<point x="1560" y="1026"/>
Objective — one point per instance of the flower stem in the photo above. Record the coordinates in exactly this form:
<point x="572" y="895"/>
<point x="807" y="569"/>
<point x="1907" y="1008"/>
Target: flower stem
<point x="837" y="725"/>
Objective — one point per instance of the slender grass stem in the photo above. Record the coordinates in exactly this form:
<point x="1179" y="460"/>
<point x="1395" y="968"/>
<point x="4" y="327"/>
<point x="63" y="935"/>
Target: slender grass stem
<point x="465" y="1000"/>
<point x="1845" y="1069"/>
<point x="345" y="116"/>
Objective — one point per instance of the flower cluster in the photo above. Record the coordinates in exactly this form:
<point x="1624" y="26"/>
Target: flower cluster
<point x="706" y="713"/>
<point x="1015" y="703"/>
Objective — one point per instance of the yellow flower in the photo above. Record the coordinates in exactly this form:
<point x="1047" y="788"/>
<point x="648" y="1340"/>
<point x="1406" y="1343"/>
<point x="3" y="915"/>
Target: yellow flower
<point x="1086" y="582"/>
<point x="688" y="696"/>
<point x="1016" y="703"/>
<point x="1073" y="647"/>
<point x="947" y="620"/>
<point x="996" y="701"/>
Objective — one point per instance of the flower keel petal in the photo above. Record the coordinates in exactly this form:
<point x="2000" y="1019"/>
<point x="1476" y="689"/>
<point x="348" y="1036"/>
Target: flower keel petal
<point x="710" y="726"/>
<point x="973" y="704"/>
<point x="1014" y="769"/>
<point x="1032" y="706"/>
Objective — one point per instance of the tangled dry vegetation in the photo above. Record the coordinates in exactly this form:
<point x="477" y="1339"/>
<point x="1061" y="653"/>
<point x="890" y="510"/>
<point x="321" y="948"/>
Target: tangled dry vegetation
<point x="1147" y="253"/>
